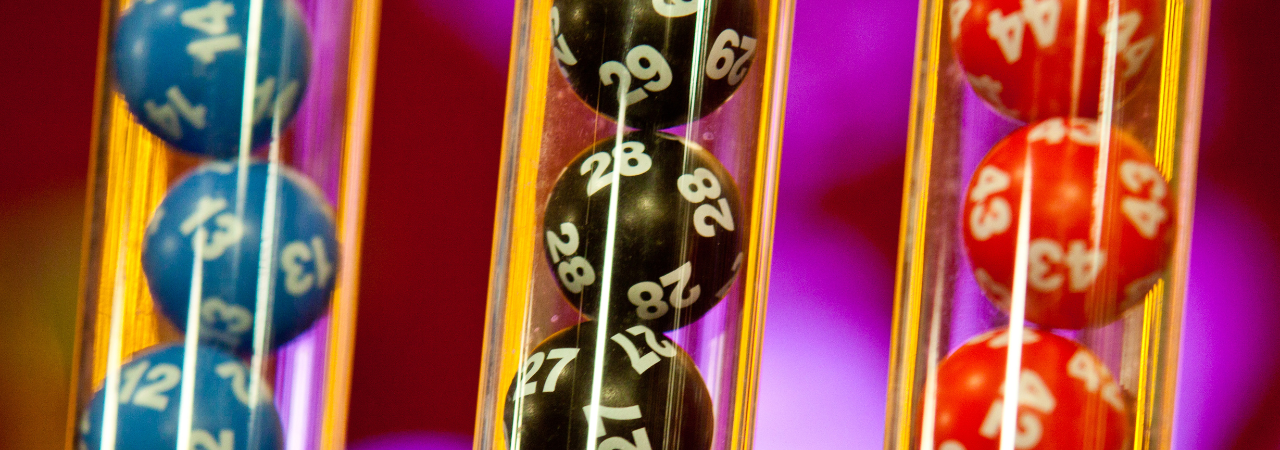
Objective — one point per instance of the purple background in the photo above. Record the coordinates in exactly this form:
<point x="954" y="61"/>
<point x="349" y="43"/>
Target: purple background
<point x="433" y="178"/>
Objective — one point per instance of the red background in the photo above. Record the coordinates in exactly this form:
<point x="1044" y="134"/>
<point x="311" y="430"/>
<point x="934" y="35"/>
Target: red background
<point x="432" y="184"/>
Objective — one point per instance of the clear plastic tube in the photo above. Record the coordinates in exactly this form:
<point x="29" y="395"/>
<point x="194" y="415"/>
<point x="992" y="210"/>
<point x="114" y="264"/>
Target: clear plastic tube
<point x="222" y="233"/>
<point x="1048" y="200"/>
<point x="630" y="262"/>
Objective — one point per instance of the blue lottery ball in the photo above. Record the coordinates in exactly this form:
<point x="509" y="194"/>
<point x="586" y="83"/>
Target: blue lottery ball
<point x="230" y="224"/>
<point x="181" y="66"/>
<point x="148" y="405"/>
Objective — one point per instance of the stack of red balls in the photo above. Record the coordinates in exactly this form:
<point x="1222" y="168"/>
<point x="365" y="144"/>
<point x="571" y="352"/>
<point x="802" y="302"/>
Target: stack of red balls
<point x="1099" y="228"/>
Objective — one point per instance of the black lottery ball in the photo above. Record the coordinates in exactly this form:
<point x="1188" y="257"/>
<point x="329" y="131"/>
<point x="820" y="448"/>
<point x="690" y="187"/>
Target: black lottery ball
<point x="648" y="51"/>
<point x="676" y="249"/>
<point x="651" y="395"/>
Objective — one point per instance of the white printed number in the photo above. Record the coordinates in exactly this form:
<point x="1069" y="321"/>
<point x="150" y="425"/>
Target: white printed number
<point x="564" y="357"/>
<point x="1041" y="16"/>
<point x="675" y="8"/>
<point x="298" y="280"/>
<point x="1035" y="396"/>
<point x="211" y="19"/>
<point x="722" y="61"/>
<point x="149" y="388"/>
<point x="648" y="296"/>
<point x="1088" y="370"/>
<point x="699" y="186"/>
<point x="639" y="436"/>
<point x="1080" y="131"/>
<point x="238" y="319"/>
<point x="989" y="218"/>
<point x="170" y="115"/>
<point x="644" y="63"/>
<point x="575" y="271"/>
<point x="229" y="229"/>
<point x="238" y="376"/>
<point x="1145" y="212"/>
<point x="204" y="440"/>
<point x="634" y="162"/>
<point x="642" y="363"/>
<point x="263" y="93"/>
<point x="1133" y="53"/>
<point x="561" y="49"/>
<point x="1082" y="264"/>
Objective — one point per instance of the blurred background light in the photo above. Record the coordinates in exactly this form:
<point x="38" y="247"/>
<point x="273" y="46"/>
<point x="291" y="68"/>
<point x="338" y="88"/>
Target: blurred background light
<point x="438" y="116"/>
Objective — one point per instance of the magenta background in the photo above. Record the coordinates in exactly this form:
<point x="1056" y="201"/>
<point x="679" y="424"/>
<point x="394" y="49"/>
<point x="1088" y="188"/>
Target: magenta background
<point x="827" y="336"/>
<point x="433" y="179"/>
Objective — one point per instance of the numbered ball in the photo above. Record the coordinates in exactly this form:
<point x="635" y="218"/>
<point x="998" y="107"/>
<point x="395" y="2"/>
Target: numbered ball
<point x="675" y="251"/>
<point x="1066" y="397"/>
<point x="181" y="67"/>
<point x="1021" y="55"/>
<point x="209" y="216"/>
<point x="643" y="53"/>
<point x="148" y="405"/>
<point x="1073" y="280"/>
<point x="651" y="395"/>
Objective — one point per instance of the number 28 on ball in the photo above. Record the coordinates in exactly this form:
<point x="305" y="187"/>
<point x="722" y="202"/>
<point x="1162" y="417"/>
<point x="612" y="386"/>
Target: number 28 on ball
<point x="676" y="248"/>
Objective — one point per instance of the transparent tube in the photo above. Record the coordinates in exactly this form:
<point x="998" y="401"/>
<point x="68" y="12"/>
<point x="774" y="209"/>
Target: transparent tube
<point x="630" y="262"/>
<point x="1046" y="223"/>
<point x="222" y="234"/>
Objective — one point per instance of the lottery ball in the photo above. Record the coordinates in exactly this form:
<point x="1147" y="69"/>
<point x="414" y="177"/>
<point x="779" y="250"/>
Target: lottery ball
<point x="147" y="405"/>
<point x="651" y="395"/>
<point x="181" y="67"/>
<point x="675" y="248"/>
<point x="208" y="216"/>
<point x="1021" y="55"/>
<point x="642" y="54"/>
<point x="1066" y="397"/>
<point x="1077" y="275"/>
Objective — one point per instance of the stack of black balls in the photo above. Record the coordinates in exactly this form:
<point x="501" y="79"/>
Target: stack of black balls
<point x="641" y="230"/>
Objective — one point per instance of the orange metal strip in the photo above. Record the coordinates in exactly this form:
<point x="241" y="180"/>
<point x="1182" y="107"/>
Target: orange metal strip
<point x="363" y="51"/>
<point x="73" y="402"/>
<point x="1167" y="122"/>
<point x="531" y="94"/>
<point x="1193" y="91"/>
<point x="908" y="286"/>
<point x="760" y="231"/>
<point x="136" y="173"/>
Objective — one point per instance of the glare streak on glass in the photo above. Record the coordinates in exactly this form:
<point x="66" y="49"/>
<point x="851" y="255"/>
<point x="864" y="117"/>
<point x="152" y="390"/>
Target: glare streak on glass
<point x="1106" y="98"/>
<point x="187" y="404"/>
<point x="930" y="400"/>
<point x="111" y="386"/>
<point x="266" y="260"/>
<point x="298" y="428"/>
<point x="1017" y="313"/>
<point x="695" y="75"/>
<point x="252" y="51"/>
<point x="266" y="281"/>
<point x="606" y="272"/>
<point x="1078" y="56"/>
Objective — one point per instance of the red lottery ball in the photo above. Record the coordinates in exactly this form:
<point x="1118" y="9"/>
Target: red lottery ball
<point x="1021" y="55"/>
<point x="1066" y="397"/>
<point x="1087" y="263"/>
